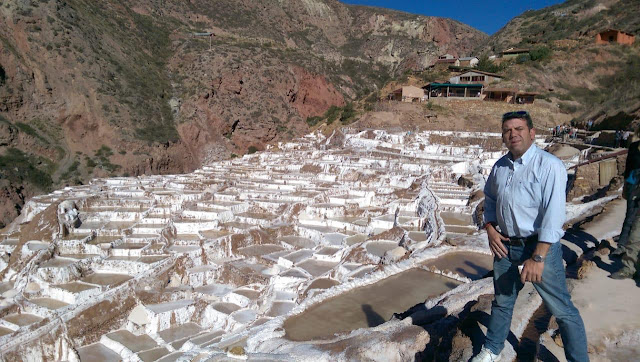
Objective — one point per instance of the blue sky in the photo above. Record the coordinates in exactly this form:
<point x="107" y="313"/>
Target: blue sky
<point x="488" y="15"/>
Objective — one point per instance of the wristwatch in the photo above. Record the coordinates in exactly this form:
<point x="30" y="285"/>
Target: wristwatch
<point x="538" y="258"/>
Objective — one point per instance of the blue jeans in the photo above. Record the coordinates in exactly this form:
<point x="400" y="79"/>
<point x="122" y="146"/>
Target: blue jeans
<point x="552" y="289"/>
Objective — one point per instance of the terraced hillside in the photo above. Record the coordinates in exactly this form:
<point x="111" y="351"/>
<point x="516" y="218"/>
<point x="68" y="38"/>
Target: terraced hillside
<point x="100" y="88"/>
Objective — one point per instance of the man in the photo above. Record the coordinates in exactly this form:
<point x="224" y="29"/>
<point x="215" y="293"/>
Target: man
<point x="630" y="193"/>
<point x="524" y="211"/>
<point x="629" y="240"/>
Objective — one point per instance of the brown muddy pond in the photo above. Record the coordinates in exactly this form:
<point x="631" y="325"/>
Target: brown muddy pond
<point x="367" y="306"/>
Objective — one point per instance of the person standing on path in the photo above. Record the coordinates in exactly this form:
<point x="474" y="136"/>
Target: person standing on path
<point x="629" y="240"/>
<point x="524" y="210"/>
<point x="625" y="138"/>
<point x="633" y="163"/>
<point x="618" y="138"/>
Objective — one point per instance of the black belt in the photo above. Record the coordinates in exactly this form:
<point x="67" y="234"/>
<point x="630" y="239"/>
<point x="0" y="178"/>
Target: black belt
<point x="520" y="241"/>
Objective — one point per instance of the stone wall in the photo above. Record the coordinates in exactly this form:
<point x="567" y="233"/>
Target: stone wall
<point x="594" y="176"/>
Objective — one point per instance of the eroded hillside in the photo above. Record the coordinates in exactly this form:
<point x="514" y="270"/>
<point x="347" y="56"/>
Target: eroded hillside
<point x="108" y="88"/>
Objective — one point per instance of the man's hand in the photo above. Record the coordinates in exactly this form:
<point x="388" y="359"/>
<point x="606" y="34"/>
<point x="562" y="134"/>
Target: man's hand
<point x="531" y="271"/>
<point x="495" y="242"/>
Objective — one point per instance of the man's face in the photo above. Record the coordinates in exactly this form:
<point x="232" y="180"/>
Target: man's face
<point x="517" y="136"/>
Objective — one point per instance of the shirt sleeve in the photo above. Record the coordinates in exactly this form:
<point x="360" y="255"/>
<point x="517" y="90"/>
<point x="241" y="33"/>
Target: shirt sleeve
<point x="554" y="185"/>
<point x="490" y="198"/>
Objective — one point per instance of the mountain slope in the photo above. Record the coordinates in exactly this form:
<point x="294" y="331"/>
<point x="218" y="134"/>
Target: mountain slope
<point x="99" y="88"/>
<point x="588" y="81"/>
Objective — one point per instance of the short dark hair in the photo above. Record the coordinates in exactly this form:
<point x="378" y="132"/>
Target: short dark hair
<point x="518" y="114"/>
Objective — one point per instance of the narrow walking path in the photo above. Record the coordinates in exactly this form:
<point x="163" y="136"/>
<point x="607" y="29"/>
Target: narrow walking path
<point x="608" y="307"/>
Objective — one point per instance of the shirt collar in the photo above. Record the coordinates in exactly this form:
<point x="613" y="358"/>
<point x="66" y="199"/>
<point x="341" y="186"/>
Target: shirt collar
<point x="526" y="157"/>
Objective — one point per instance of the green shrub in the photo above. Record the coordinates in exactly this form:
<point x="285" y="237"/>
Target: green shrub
<point x="487" y="65"/>
<point x="372" y="98"/>
<point x="27" y="129"/>
<point x="104" y="151"/>
<point x="157" y="133"/>
<point x="332" y="114"/>
<point x="31" y="132"/>
<point x="348" y="113"/>
<point x="433" y="107"/>
<point x="19" y="167"/>
<point x="252" y="149"/>
<point x="70" y="171"/>
<point x="312" y="121"/>
<point x="61" y="152"/>
<point x="540" y="53"/>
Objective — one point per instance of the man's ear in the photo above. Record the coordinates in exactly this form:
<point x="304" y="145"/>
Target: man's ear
<point x="532" y="133"/>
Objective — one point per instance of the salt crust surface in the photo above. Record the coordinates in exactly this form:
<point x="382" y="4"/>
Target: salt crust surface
<point x="267" y="339"/>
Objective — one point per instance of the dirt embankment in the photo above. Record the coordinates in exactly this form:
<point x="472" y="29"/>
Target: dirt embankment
<point x="455" y="115"/>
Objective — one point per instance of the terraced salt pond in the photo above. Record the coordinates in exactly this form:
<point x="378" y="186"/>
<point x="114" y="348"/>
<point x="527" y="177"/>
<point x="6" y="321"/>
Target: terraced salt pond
<point x="375" y="304"/>
<point x="367" y="306"/>
<point x="253" y="240"/>
<point x="471" y="265"/>
<point x="5" y="331"/>
<point x="459" y="223"/>
<point x="106" y="278"/>
<point x="49" y="303"/>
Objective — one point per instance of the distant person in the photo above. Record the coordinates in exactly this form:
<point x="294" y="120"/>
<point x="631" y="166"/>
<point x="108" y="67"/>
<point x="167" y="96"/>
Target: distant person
<point x="618" y="138"/>
<point x="589" y="125"/>
<point x="629" y="240"/>
<point x="626" y="138"/>
<point x="524" y="210"/>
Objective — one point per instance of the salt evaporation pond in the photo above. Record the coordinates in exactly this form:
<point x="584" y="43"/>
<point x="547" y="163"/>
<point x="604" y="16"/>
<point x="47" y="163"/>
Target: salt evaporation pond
<point x="98" y="352"/>
<point x="367" y="306"/>
<point x="471" y="265"/>
<point x="49" y="303"/>
<point x="456" y="218"/>
<point x="4" y="331"/>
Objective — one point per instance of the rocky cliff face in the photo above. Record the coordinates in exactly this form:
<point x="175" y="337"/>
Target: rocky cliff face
<point x="90" y="89"/>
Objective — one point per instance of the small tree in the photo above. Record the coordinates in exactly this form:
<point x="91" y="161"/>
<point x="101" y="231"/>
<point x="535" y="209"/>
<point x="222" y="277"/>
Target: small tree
<point x="347" y="113"/>
<point x="487" y="65"/>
